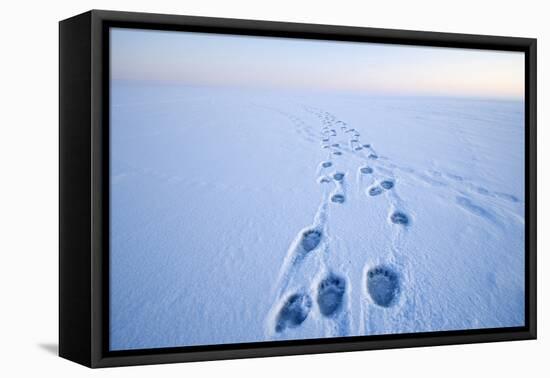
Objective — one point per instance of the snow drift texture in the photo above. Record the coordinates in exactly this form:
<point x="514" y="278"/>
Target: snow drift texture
<point x="241" y="216"/>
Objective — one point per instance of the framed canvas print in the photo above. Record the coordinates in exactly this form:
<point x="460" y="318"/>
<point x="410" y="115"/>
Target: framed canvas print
<point x="234" y="188"/>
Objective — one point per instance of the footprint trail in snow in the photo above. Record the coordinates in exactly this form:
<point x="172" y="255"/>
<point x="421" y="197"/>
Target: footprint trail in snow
<point x="307" y="271"/>
<point x="317" y="281"/>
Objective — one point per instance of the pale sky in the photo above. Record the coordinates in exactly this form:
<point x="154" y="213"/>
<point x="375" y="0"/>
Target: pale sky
<point x="299" y="64"/>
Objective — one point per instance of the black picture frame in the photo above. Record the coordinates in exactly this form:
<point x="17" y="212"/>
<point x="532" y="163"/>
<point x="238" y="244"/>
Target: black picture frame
<point x="84" y="187"/>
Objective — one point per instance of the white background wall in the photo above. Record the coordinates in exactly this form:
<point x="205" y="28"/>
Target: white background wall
<point x="29" y="186"/>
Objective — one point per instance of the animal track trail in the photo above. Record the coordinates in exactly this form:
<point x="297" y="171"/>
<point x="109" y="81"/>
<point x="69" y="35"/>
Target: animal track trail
<point x="338" y="195"/>
<point x="297" y="298"/>
<point x="300" y="126"/>
<point x="293" y="303"/>
<point x="459" y="185"/>
<point x="363" y="178"/>
<point x="381" y="284"/>
<point x="292" y="306"/>
<point x="469" y="196"/>
<point x="456" y="181"/>
<point x="397" y="213"/>
<point x="477" y="210"/>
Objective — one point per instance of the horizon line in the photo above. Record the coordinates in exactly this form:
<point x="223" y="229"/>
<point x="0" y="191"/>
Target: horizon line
<point x="341" y="91"/>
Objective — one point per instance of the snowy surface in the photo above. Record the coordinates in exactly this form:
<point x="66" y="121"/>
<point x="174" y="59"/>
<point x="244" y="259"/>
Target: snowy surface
<point x="226" y="227"/>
